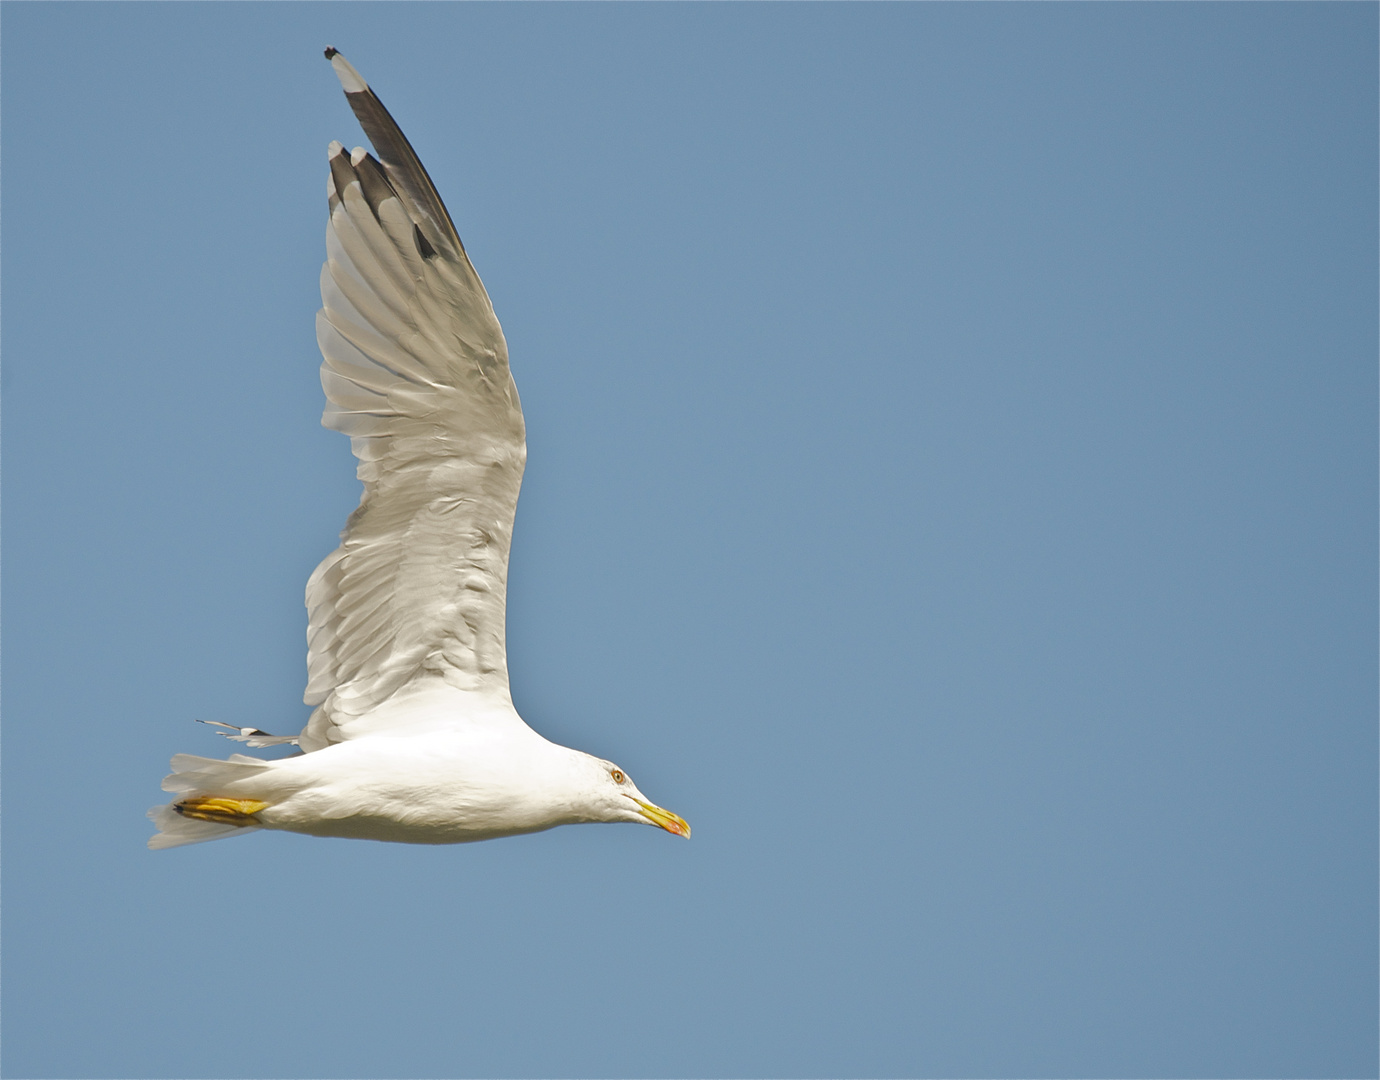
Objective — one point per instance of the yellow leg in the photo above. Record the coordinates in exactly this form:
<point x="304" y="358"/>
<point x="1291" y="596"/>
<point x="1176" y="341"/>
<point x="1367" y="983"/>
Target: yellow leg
<point x="225" y="811"/>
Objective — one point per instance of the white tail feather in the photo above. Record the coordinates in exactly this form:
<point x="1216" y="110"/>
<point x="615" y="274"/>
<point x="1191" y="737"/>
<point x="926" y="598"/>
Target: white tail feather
<point x="194" y="775"/>
<point x="176" y="830"/>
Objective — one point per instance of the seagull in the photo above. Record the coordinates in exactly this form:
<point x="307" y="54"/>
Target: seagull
<point x="414" y="737"/>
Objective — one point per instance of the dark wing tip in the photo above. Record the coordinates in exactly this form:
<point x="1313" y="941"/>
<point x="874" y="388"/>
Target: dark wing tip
<point x="331" y="52"/>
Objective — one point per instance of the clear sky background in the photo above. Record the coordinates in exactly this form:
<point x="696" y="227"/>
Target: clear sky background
<point x="952" y="487"/>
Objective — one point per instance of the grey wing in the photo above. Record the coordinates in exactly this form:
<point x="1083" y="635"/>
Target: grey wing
<point x="416" y="373"/>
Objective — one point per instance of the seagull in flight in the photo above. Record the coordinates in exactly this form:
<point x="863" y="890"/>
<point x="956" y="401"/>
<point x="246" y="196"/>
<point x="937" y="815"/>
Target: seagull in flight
<point x="413" y="737"/>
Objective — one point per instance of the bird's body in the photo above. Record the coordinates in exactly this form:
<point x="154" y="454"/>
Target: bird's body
<point x="414" y="736"/>
<point x="433" y="781"/>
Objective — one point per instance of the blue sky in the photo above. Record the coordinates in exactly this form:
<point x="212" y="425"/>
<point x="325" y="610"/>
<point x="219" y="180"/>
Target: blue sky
<point x="952" y="484"/>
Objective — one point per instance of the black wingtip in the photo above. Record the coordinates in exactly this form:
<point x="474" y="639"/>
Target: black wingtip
<point x="331" y="52"/>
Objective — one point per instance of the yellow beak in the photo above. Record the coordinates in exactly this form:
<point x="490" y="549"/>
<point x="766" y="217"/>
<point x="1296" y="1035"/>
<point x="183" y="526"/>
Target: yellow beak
<point x="672" y="823"/>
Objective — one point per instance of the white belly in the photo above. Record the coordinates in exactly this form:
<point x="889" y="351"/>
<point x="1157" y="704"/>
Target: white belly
<point x="430" y="789"/>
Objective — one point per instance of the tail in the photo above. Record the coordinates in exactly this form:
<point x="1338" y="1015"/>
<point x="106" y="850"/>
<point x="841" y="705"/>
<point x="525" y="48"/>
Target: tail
<point x="204" y="813"/>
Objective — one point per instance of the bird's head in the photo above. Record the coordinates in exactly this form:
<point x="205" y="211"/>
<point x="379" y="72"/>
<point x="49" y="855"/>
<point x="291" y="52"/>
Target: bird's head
<point x="618" y="799"/>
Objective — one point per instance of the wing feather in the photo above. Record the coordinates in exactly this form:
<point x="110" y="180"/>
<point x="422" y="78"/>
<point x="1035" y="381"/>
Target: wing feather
<point x="415" y="371"/>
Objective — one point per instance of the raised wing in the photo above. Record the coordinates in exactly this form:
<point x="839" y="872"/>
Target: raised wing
<point x="416" y="373"/>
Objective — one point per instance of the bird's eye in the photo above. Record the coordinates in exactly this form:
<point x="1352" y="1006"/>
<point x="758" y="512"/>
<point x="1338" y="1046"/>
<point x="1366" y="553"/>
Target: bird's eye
<point x="618" y="776"/>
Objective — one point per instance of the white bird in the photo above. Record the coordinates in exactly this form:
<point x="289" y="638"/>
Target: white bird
<point x="414" y="737"/>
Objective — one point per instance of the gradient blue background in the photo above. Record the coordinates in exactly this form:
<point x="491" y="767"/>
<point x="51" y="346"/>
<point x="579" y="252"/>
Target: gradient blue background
<point x="952" y="487"/>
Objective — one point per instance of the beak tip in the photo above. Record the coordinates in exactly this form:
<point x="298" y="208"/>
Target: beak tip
<point x="664" y="819"/>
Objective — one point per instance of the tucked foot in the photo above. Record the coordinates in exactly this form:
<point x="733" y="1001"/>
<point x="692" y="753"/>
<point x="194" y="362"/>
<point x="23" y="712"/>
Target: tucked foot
<point x="223" y="811"/>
